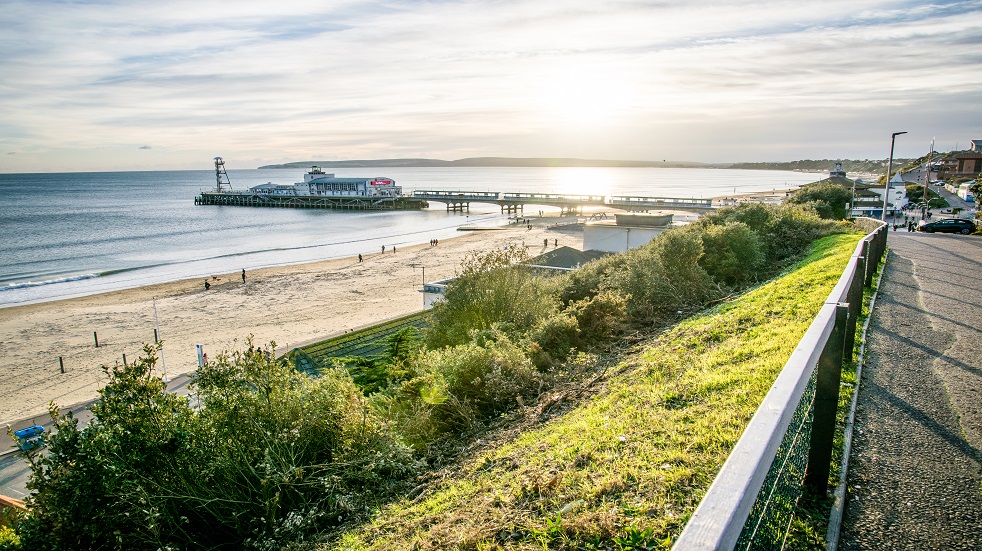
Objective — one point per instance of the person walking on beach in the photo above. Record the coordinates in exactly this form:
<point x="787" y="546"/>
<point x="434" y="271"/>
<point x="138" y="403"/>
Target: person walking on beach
<point x="243" y="275"/>
<point x="393" y="249"/>
<point x="383" y="248"/>
<point x="359" y="257"/>
<point x="207" y="285"/>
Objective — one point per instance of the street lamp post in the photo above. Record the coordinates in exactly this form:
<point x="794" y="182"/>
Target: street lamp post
<point x="886" y="194"/>
<point x="927" y="180"/>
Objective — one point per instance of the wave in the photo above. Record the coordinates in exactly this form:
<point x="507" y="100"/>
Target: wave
<point x="403" y="237"/>
<point x="27" y="284"/>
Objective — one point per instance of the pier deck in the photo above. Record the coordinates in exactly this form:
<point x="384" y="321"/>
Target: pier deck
<point x="515" y="202"/>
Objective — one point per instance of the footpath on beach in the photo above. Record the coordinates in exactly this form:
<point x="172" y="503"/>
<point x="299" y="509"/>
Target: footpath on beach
<point x="915" y="474"/>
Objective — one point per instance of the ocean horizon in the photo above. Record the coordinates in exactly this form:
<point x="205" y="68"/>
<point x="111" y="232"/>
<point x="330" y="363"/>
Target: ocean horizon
<point x="78" y="234"/>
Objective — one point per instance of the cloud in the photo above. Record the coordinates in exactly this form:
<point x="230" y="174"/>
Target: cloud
<point x="693" y="81"/>
<point x="145" y="147"/>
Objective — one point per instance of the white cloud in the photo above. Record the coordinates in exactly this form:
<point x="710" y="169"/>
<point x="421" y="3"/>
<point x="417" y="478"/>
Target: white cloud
<point x="709" y="81"/>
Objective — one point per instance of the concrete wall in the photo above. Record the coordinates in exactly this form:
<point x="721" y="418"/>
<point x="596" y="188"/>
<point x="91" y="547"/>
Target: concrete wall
<point x="612" y="238"/>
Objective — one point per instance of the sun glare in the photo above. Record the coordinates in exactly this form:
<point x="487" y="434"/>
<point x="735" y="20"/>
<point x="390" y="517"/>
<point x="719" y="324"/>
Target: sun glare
<point x="584" y="100"/>
<point x="582" y="181"/>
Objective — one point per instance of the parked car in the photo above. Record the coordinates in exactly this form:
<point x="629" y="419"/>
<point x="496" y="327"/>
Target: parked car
<point x="951" y="225"/>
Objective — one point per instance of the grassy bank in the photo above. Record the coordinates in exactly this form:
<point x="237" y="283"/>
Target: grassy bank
<point x="626" y="468"/>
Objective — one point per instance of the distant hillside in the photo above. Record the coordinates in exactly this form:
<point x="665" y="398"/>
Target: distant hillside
<point x="823" y="165"/>
<point x="848" y="165"/>
<point x="493" y="162"/>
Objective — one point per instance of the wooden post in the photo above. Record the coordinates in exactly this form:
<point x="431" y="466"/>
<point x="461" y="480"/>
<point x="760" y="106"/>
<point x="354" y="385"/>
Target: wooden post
<point x="96" y="337"/>
<point x="826" y="402"/>
<point x="61" y="363"/>
<point x="855" y="304"/>
<point x="124" y="359"/>
<point x="156" y="340"/>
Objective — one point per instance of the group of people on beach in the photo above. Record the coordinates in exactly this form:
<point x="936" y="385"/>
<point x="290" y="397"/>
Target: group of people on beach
<point x="208" y="285"/>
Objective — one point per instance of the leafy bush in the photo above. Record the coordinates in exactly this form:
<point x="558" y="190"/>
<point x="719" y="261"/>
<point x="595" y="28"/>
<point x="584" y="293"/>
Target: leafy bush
<point x="460" y="386"/>
<point x="828" y="198"/>
<point x="784" y="231"/>
<point x="663" y="277"/>
<point x="600" y="317"/>
<point x="587" y="280"/>
<point x="553" y="338"/>
<point x="734" y="254"/>
<point x="492" y="289"/>
<point x="270" y="456"/>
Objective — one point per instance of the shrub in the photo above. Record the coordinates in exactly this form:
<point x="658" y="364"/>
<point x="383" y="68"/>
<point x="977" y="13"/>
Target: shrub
<point x="784" y="231"/>
<point x="554" y="337"/>
<point x="270" y="456"/>
<point x="600" y="317"/>
<point x="458" y="387"/>
<point x="734" y="254"/>
<point x="663" y="277"/>
<point x="492" y="289"/>
<point x="828" y="198"/>
<point x="587" y="280"/>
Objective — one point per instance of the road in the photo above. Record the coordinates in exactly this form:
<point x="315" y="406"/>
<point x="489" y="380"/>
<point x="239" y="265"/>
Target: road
<point x="916" y="464"/>
<point x="14" y="468"/>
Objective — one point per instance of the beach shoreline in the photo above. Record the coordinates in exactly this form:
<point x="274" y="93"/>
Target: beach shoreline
<point x="290" y="304"/>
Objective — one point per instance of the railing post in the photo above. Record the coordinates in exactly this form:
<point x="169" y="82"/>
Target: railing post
<point x="826" y="402"/>
<point x="855" y="303"/>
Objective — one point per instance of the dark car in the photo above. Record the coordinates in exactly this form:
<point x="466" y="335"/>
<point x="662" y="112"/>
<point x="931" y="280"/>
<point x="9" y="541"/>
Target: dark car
<point x="951" y="225"/>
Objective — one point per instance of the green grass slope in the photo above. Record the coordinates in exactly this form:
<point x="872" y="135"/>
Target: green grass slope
<point x="625" y="469"/>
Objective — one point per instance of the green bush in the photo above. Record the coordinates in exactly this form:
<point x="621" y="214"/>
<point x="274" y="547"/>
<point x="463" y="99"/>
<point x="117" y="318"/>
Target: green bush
<point x="587" y="280"/>
<point x="600" y="317"/>
<point x="784" y="231"/>
<point x="734" y="254"/>
<point x="458" y="387"/>
<point x="828" y="198"/>
<point x="269" y="456"/>
<point x="553" y="338"/>
<point x="663" y="277"/>
<point x="493" y="288"/>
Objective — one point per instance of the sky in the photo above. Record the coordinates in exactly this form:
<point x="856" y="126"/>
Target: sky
<point x="157" y="85"/>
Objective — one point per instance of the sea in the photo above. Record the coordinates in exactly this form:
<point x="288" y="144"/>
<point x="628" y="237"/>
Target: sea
<point x="74" y="234"/>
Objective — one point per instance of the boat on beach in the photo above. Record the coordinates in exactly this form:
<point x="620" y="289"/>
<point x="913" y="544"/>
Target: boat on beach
<point x="318" y="190"/>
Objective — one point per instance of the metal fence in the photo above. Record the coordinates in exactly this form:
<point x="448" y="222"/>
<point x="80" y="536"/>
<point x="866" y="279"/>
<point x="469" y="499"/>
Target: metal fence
<point x="787" y="447"/>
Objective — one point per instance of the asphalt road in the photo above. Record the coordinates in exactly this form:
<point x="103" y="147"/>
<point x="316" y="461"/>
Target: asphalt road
<point x="915" y="477"/>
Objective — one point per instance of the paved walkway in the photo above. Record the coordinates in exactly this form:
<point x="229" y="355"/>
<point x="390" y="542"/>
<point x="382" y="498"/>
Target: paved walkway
<point x="915" y="475"/>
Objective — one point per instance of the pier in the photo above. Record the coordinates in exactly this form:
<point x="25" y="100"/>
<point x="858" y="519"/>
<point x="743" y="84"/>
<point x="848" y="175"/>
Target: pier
<point x="568" y="204"/>
<point x="247" y="199"/>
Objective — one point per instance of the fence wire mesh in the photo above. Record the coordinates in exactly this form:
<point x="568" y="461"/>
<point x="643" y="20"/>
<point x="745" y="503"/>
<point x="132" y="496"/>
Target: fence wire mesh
<point x="770" y="518"/>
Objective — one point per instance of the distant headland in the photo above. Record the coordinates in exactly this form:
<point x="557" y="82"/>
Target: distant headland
<point x="866" y="165"/>
<point x="495" y="162"/>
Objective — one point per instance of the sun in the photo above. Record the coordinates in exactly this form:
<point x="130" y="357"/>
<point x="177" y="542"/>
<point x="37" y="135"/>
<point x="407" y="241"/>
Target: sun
<point x="580" y="98"/>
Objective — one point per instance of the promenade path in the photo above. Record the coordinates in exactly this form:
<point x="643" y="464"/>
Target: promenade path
<point x="915" y="474"/>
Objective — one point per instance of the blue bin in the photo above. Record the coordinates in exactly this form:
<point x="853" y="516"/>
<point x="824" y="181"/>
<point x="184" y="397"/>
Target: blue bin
<point x="30" y="438"/>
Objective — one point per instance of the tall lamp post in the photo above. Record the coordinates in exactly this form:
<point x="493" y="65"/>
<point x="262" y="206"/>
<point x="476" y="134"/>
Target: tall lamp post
<point x="927" y="180"/>
<point x="886" y="194"/>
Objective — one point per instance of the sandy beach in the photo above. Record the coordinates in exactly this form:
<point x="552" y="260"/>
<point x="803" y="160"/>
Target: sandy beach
<point x="290" y="305"/>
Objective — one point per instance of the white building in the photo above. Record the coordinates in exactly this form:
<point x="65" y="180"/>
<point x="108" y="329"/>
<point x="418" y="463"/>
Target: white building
<point x="626" y="231"/>
<point x="966" y="194"/>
